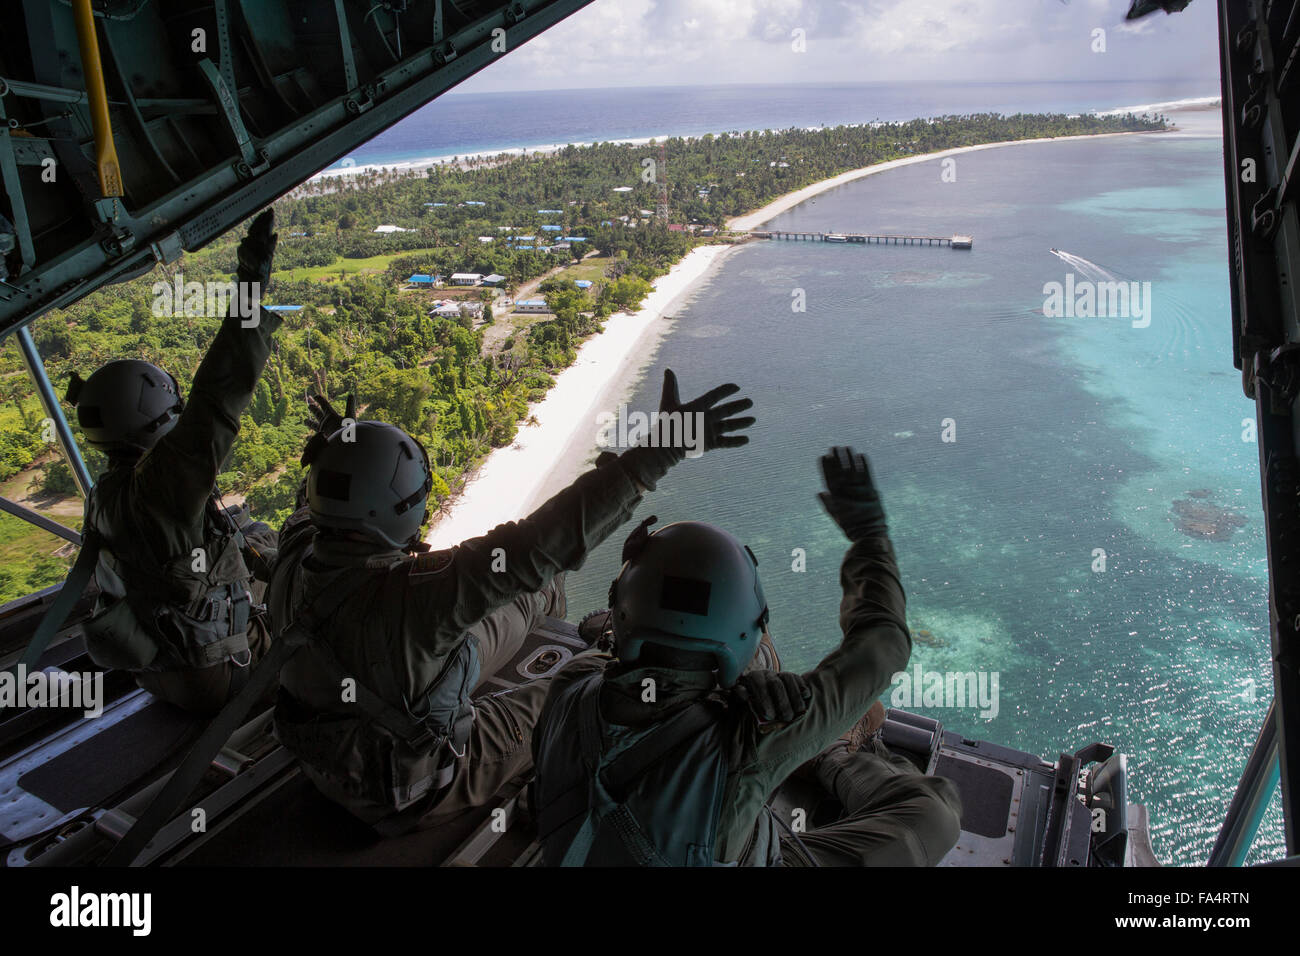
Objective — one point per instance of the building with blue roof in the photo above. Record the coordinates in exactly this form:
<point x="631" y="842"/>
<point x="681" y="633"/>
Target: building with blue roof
<point x="282" y="308"/>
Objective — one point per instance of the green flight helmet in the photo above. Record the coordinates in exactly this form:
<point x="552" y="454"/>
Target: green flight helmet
<point x="371" y="478"/>
<point x="126" y="405"/>
<point x="693" y="587"/>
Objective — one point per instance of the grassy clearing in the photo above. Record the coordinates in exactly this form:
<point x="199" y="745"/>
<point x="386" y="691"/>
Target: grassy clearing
<point x="27" y="556"/>
<point x="592" y="269"/>
<point x="372" y="264"/>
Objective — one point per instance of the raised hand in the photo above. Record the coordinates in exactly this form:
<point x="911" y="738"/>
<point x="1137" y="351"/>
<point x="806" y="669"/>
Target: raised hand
<point x="850" y="496"/>
<point x="719" y="426"/>
<point x="328" y="421"/>
<point x="256" y="250"/>
<point x="668" y="443"/>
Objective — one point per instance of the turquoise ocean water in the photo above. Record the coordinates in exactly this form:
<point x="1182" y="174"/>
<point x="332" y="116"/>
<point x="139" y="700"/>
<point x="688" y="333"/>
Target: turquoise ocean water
<point x="1072" y="435"/>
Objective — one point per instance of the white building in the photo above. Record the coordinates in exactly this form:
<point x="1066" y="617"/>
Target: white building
<point x="389" y="229"/>
<point x="532" y="305"/>
<point x="454" y="310"/>
<point x="466" y="278"/>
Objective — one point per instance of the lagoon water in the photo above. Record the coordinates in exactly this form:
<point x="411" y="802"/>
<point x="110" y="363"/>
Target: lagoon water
<point x="1071" y="435"/>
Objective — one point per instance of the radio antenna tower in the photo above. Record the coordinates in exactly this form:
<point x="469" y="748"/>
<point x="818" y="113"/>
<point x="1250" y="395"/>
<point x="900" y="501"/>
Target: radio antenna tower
<point x="661" y="175"/>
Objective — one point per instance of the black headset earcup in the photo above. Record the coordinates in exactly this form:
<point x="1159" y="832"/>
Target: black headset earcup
<point x="74" y="389"/>
<point x="635" y="542"/>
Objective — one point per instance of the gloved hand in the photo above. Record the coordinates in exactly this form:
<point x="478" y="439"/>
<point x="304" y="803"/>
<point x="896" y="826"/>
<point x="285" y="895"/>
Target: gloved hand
<point x="850" y="496"/>
<point x="775" y="697"/>
<point x="327" y="422"/>
<point x="256" y="250"/>
<point x="648" y="463"/>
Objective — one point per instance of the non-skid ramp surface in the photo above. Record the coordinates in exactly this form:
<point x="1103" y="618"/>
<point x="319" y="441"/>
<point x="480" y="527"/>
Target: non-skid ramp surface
<point x="296" y="826"/>
<point x="985" y="795"/>
<point x="96" y="771"/>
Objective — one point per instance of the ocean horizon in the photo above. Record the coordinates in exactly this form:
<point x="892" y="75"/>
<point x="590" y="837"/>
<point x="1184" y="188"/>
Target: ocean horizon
<point x="479" y="124"/>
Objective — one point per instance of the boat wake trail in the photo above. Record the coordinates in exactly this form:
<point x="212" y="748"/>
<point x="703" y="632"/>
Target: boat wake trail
<point x="1089" y="270"/>
<point x="1178" y="333"/>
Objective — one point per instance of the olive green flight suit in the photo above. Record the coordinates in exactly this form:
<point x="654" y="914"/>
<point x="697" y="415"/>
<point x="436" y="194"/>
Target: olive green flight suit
<point x="155" y="503"/>
<point x="414" y="612"/>
<point x="894" y="815"/>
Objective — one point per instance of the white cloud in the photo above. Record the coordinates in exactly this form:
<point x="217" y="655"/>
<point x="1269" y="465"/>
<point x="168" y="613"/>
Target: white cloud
<point x="669" y="42"/>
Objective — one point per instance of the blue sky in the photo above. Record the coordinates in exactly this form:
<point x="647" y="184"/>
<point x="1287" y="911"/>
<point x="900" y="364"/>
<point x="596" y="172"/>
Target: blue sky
<point x="671" y="42"/>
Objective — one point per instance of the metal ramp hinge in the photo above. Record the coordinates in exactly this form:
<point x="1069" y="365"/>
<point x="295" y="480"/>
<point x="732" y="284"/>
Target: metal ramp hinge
<point x="110" y="212"/>
<point x="1280" y="371"/>
<point x="361" y="100"/>
<point x="1252" y="111"/>
<point x="1265" y="215"/>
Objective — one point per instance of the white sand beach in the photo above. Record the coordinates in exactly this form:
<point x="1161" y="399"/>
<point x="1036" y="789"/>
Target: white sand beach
<point x="790" y="200"/>
<point x="513" y="479"/>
